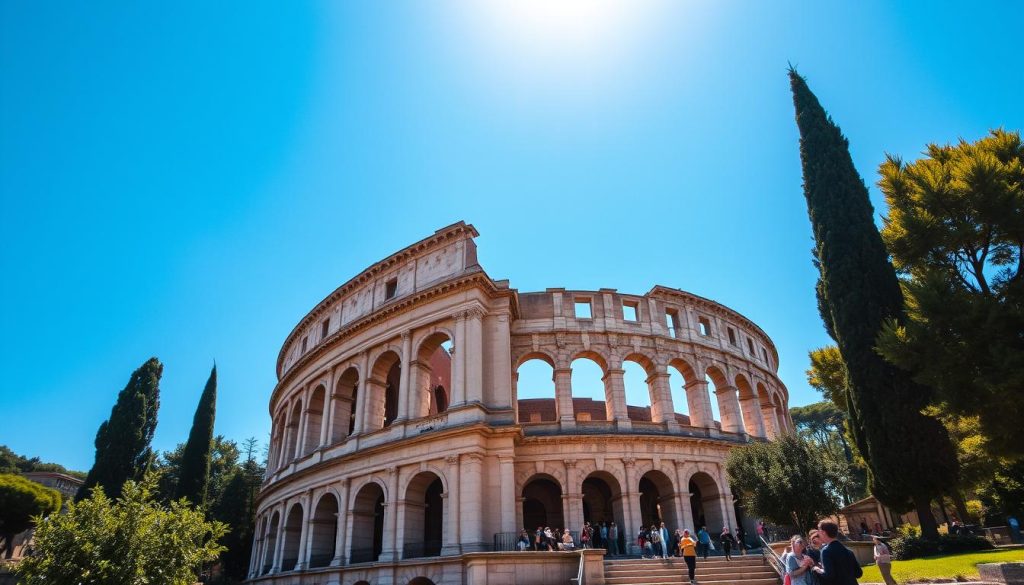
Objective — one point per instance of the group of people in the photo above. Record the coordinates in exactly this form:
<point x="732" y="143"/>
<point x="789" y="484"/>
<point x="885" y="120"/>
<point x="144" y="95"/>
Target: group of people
<point x="824" y="560"/>
<point x="658" y="542"/>
<point x="603" y="535"/>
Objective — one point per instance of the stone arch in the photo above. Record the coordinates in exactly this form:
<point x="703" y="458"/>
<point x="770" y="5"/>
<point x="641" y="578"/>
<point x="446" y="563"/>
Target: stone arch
<point x="277" y="441"/>
<point x="431" y="374"/>
<point x="271" y="545"/>
<point x="290" y="445"/>
<point x="542" y="502"/>
<point x="324" y="530"/>
<point x="292" y="536"/>
<point x="650" y="372"/>
<point x="424" y="515"/>
<point x="603" y="502"/>
<point x="780" y="413"/>
<point x="726" y="399"/>
<point x="706" y="501"/>
<point x="768" y="414"/>
<point x="583" y="385"/>
<point x="367" y="539"/>
<point x="346" y="397"/>
<point x="314" y="419"/>
<point x="541" y="402"/>
<point x="382" y="388"/>
<point x="535" y="354"/>
<point x="750" y="407"/>
<point x="658" y="500"/>
<point x="421" y="581"/>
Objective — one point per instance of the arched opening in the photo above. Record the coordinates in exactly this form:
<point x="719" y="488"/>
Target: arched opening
<point x="346" y="392"/>
<point x="780" y="413"/>
<point x="324" y="531"/>
<point x="292" y="534"/>
<point x="542" y="503"/>
<point x="424" y="517"/>
<point x="290" y="447"/>
<point x="367" y="539"/>
<point x="658" y="500"/>
<point x="768" y="415"/>
<point x="750" y="407"/>
<point x="383" y="386"/>
<point x="271" y="545"/>
<point x="602" y="503"/>
<point x="421" y="581"/>
<point x="277" y="444"/>
<point x="314" y="420"/>
<point x="705" y="502"/>
<point x="722" y="408"/>
<point x="533" y="385"/>
<point x="677" y="388"/>
<point x="640" y="393"/>
<point x="589" y="387"/>
<point x="431" y="376"/>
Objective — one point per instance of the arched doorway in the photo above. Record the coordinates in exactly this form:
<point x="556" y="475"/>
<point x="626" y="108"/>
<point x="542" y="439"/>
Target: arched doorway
<point x="424" y="517"/>
<point x="421" y="581"/>
<point x="602" y="504"/>
<point x="383" y="385"/>
<point x="292" y="534"/>
<point x="314" y="420"/>
<point x="346" y="391"/>
<point x="367" y="524"/>
<point x="658" y="501"/>
<point x="706" y="503"/>
<point x="271" y="545"/>
<point x="432" y="376"/>
<point x="542" y="503"/>
<point x="324" y="531"/>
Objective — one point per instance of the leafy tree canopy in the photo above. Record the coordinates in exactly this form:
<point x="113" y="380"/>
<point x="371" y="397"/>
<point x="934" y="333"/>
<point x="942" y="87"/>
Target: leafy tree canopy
<point x="21" y="501"/>
<point x="129" y="541"/>
<point x="11" y="462"/>
<point x="956" y="233"/>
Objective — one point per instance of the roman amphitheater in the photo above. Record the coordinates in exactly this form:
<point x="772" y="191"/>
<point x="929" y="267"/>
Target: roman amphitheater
<point x="400" y="452"/>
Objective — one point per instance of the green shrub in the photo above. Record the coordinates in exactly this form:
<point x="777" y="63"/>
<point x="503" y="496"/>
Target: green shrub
<point x="911" y="547"/>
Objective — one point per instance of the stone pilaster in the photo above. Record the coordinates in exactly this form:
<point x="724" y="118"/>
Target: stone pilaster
<point x="563" y="397"/>
<point x="615" y="398"/>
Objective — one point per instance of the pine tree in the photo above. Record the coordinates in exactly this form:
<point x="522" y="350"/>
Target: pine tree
<point x="194" y="477"/>
<point x="909" y="454"/>
<point x="122" y="441"/>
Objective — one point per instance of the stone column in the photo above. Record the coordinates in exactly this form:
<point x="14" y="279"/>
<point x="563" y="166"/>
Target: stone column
<point x="771" y="423"/>
<point x="279" y="542"/>
<point x="471" y="482"/>
<point x="699" y="403"/>
<point x="572" y="500"/>
<point x="728" y="509"/>
<point x="506" y="469"/>
<point x="389" y="548"/>
<point x="729" y="408"/>
<point x="405" y="392"/>
<point x="300" y="444"/>
<point x="752" y="421"/>
<point x="662" y="410"/>
<point x="615" y="397"/>
<point x="305" y="526"/>
<point x="632" y="521"/>
<point x="257" y="543"/>
<point x="474" y="363"/>
<point x="327" y="418"/>
<point x="341" y="536"/>
<point x="563" y="397"/>
<point x="458" y="352"/>
<point x="360" y="402"/>
<point x="451" y="544"/>
<point x="683" y="498"/>
<point x="374" y="405"/>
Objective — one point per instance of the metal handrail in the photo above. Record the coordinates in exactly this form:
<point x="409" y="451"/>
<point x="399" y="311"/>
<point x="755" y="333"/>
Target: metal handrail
<point x="579" y="573"/>
<point x="771" y="559"/>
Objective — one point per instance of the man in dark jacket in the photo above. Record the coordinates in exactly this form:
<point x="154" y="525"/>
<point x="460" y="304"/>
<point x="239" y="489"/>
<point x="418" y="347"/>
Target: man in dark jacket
<point x="839" y="566"/>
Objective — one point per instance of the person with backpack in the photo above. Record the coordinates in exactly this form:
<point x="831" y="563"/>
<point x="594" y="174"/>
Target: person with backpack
<point x="703" y="542"/>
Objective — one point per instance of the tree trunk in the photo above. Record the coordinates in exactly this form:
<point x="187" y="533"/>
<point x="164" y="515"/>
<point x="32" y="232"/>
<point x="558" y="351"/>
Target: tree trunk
<point x="8" y="547"/>
<point x="929" y="529"/>
<point x="961" y="507"/>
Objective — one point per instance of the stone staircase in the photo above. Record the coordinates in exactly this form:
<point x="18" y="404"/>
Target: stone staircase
<point x="742" y="570"/>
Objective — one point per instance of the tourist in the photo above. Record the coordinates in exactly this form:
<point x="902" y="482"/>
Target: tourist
<point x="674" y="542"/>
<point x="814" y="547"/>
<point x="524" y="540"/>
<point x="864" y="528"/>
<point x="703" y="542"/>
<point x="883" y="559"/>
<point x="613" y="539"/>
<point x="585" y="535"/>
<point x="727" y="540"/>
<point x="549" y="539"/>
<point x="741" y="540"/>
<point x="567" y="543"/>
<point x="687" y="547"/>
<point x="839" y="566"/>
<point x="663" y="531"/>
<point x="657" y="541"/>
<point x="538" y="538"/>
<point x="760" y="530"/>
<point x="797" y="564"/>
<point x="602" y="532"/>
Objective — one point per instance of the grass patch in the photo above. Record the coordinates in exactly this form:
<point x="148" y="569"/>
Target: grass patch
<point x="958" y="566"/>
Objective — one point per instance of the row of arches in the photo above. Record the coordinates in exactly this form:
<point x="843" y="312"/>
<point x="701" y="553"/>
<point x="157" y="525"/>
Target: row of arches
<point x="638" y="389"/>
<point x="357" y="404"/>
<point x="291" y="539"/>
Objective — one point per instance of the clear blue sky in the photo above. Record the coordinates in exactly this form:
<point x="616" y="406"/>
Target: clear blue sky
<point x="188" y="183"/>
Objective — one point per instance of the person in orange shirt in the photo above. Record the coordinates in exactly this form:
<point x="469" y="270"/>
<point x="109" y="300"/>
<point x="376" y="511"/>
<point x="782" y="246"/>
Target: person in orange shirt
<point x="688" y="546"/>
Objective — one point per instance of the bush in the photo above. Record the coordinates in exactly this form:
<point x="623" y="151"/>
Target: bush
<point x="911" y="547"/>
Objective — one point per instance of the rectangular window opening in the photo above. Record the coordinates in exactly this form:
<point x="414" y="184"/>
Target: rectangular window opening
<point x="750" y="346"/>
<point x="704" y="326"/>
<point x="391" y="289"/>
<point x="582" y="309"/>
<point x="764" y="354"/>
<point x="630" y="311"/>
<point x="672" y="322"/>
<point x="324" y="327"/>
<point x="304" y="340"/>
<point x="732" y="336"/>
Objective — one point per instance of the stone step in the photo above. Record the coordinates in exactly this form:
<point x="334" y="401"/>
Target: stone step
<point x="750" y="573"/>
<point x="718" y="563"/>
<point x="681" y="578"/>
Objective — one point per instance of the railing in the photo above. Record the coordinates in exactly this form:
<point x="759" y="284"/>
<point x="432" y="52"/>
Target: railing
<point x="416" y="550"/>
<point x="771" y="559"/>
<point x="580" y="572"/>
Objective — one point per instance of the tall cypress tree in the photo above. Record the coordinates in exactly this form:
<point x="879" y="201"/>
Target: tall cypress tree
<point x="194" y="476"/>
<point x="122" y="441"/>
<point x="909" y="454"/>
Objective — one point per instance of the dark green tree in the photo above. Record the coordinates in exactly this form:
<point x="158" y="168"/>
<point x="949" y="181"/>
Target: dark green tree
<point x="11" y="462"/>
<point x="122" y="441"/>
<point x="788" y="481"/>
<point x="194" y="475"/>
<point x="909" y="454"/>
<point x="824" y="425"/>
<point x="237" y="509"/>
<point x="956" y="232"/>
<point x="224" y="460"/>
<point x="21" y="500"/>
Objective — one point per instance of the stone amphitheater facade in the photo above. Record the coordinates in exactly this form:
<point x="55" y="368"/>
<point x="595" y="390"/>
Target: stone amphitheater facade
<point x="384" y="469"/>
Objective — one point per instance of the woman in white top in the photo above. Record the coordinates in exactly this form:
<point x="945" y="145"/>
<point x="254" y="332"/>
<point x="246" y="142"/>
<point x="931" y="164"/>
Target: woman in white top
<point x="797" y="563"/>
<point x="883" y="558"/>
